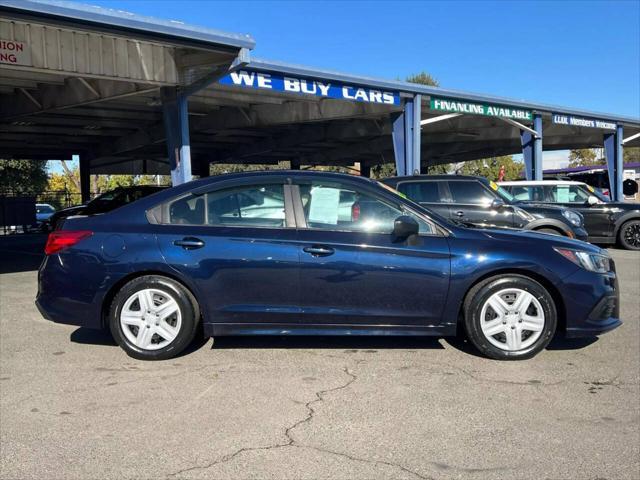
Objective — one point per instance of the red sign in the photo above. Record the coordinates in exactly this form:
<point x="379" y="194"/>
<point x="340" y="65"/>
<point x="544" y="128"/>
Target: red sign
<point x="14" y="53"/>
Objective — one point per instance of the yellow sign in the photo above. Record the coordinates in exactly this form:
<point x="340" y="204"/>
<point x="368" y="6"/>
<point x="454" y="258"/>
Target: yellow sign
<point x="494" y="185"/>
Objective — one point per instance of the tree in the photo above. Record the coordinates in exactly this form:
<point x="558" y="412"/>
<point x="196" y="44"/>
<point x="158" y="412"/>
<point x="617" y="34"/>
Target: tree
<point x="583" y="157"/>
<point x="423" y="78"/>
<point x="631" y="155"/>
<point x="490" y="168"/>
<point x="23" y="176"/>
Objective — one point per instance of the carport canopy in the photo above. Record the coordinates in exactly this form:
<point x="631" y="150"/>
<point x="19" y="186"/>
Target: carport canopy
<point x="134" y="95"/>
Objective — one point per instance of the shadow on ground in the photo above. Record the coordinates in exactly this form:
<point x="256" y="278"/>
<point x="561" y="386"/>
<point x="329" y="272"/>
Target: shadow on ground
<point x="89" y="336"/>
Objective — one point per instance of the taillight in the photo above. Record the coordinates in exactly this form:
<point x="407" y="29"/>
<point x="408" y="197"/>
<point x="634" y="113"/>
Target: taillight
<point x="355" y="212"/>
<point x="61" y="239"/>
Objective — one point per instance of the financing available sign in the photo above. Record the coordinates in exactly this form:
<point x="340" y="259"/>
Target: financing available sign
<point x="320" y="88"/>
<point x="489" y="110"/>
<point x="572" y="121"/>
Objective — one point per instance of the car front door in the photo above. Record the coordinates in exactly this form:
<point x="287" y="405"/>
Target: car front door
<point x="598" y="218"/>
<point x="472" y="202"/>
<point x="352" y="269"/>
<point x="239" y="249"/>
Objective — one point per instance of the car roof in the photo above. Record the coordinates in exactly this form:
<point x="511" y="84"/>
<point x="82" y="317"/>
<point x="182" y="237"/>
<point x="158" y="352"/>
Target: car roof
<point x="406" y="178"/>
<point x="542" y="182"/>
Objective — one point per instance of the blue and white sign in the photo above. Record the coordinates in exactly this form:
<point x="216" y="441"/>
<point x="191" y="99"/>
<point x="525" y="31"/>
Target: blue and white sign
<point x="283" y="83"/>
<point x="572" y="121"/>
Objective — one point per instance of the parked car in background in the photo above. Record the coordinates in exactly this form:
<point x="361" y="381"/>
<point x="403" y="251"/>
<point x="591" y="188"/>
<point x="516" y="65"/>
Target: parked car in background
<point x="477" y="201"/>
<point x="308" y="253"/>
<point x="43" y="213"/>
<point x="606" y="222"/>
<point x="105" y="202"/>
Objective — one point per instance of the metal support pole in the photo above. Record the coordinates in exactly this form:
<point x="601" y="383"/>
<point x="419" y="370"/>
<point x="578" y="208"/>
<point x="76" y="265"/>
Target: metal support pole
<point x="176" y="123"/>
<point x="614" y="153"/>
<point x="532" y="149"/>
<point x="537" y="158"/>
<point x="416" y="135"/>
<point x="397" y="135"/>
<point x="85" y="178"/>
<point x="406" y="137"/>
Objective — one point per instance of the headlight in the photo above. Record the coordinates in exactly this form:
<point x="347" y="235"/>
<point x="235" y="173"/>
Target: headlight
<point x="574" y="217"/>
<point x="593" y="262"/>
<point x="526" y="216"/>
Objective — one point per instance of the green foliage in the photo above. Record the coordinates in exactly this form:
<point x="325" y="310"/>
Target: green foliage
<point x="490" y="168"/>
<point x="583" y="157"/>
<point x="423" y="78"/>
<point x="631" y="155"/>
<point x="23" y="176"/>
<point x="384" y="170"/>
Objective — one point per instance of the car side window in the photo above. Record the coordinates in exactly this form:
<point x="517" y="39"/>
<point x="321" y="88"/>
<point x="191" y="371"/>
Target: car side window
<point x="470" y="193"/>
<point x="569" y="194"/>
<point x="425" y="192"/>
<point x="330" y="206"/>
<point x="247" y="206"/>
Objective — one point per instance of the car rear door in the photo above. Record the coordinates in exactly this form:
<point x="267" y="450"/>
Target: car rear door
<point x="237" y="245"/>
<point x="472" y="203"/>
<point x="354" y="272"/>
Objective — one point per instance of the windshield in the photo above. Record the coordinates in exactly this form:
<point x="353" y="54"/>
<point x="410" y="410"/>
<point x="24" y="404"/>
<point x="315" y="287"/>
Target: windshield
<point x="592" y="191"/>
<point x="505" y="195"/>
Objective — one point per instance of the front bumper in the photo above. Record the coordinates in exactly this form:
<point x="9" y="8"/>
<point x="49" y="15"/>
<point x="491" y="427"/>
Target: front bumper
<point x="592" y="303"/>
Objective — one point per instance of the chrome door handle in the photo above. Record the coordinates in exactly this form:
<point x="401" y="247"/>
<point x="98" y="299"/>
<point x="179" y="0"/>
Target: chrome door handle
<point x="460" y="213"/>
<point x="317" y="251"/>
<point x="189" y="243"/>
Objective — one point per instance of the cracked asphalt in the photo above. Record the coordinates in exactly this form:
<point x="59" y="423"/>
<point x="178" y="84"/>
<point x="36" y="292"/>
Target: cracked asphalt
<point x="73" y="405"/>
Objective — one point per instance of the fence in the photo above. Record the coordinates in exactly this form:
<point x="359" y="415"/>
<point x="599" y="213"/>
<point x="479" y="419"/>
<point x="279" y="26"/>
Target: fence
<point x="18" y="210"/>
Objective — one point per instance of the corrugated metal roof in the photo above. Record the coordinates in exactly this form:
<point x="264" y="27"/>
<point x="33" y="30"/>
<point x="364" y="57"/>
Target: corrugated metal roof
<point x="304" y="71"/>
<point x="122" y="20"/>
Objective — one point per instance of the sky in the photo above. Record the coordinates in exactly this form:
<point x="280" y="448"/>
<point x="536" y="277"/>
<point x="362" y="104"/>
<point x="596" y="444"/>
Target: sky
<point x="582" y="54"/>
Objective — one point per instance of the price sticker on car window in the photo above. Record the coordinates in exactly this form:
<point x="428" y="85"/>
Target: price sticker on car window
<point x="494" y="185"/>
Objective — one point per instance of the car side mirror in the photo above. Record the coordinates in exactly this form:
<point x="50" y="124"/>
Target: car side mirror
<point x="497" y="203"/>
<point x="592" y="200"/>
<point x="404" y="226"/>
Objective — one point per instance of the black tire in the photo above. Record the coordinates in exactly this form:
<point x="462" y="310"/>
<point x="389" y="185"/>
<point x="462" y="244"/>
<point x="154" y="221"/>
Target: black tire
<point x="629" y="235"/>
<point x="551" y="231"/>
<point x="480" y="294"/>
<point x="189" y="312"/>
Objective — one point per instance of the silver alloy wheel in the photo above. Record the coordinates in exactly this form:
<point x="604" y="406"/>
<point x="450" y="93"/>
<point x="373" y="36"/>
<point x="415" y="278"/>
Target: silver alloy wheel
<point x="150" y="319"/>
<point x="512" y="319"/>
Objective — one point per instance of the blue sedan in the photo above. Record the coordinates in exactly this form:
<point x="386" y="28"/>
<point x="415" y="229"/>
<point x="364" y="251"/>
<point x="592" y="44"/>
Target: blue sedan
<point x="305" y="253"/>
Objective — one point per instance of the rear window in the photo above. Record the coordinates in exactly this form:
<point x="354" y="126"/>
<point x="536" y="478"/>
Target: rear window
<point x="421" y="192"/>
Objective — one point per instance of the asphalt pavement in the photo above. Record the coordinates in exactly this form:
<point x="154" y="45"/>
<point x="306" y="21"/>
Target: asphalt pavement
<point x="74" y="406"/>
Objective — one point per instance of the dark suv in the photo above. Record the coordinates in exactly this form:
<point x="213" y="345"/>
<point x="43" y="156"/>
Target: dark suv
<point x="605" y="221"/>
<point x="477" y="201"/>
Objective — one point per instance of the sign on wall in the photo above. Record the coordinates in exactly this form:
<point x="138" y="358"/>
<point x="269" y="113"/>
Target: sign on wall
<point x="572" y="121"/>
<point x="446" y="105"/>
<point x="279" y="82"/>
<point x="14" y="53"/>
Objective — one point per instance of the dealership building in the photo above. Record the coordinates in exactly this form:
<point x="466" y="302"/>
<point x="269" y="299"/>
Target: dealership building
<point x="135" y="95"/>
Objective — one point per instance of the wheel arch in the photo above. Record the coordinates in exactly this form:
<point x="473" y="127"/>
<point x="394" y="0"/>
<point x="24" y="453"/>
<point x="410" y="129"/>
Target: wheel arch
<point x="624" y="219"/>
<point x="113" y="290"/>
<point x="549" y="286"/>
